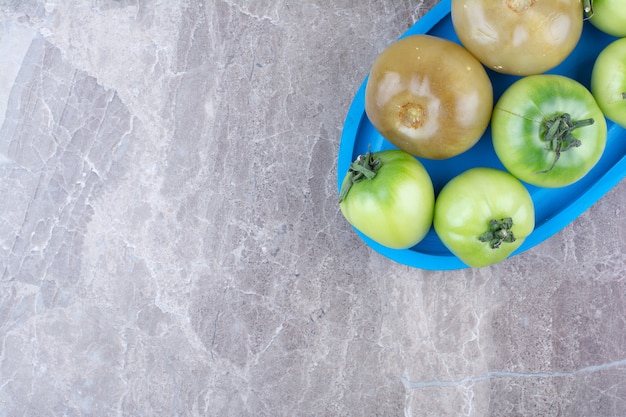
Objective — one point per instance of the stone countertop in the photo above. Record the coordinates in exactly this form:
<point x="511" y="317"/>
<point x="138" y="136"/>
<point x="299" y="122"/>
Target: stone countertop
<point x="171" y="243"/>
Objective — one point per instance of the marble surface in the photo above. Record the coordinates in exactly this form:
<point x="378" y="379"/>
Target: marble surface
<point x="171" y="244"/>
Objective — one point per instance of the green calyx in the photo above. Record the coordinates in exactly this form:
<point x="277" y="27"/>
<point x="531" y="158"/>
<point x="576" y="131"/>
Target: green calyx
<point x="587" y="9"/>
<point x="364" y="168"/>
<point x="558" y="135"/>
<point x="499" y="232"/>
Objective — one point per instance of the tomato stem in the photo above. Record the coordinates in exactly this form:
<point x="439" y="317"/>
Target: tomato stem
<point x="499" y="232"/>
<point x="587" y="9"/>
<point x="364" y="168"/>
<point x="519" y="6"/>
<point x="558" y="133"/>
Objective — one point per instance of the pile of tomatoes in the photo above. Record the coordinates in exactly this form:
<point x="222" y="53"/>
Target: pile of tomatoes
<point x="432" y="98"/>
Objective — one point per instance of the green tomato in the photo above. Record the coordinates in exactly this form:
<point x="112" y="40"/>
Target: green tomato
<point x="548" y="130"/>
<point x="389" y="197"/>
<point x="483" y="215"/>
<point x="610" y="17"/>
<point x="608" y="81"/>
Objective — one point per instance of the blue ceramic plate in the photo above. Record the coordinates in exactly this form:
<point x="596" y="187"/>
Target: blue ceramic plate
<point x="554" y="208"/>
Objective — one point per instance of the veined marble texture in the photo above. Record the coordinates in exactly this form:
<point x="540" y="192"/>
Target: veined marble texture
<point x="171" y="243"/>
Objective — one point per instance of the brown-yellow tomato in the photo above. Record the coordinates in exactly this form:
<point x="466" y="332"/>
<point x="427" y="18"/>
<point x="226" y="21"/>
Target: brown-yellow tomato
<point x="519" y="37"/>
<point x="429" y="97"/>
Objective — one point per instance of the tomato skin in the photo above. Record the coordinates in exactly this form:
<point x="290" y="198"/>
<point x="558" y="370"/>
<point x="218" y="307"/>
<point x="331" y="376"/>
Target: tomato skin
<point x="519" y="37"/>
<point x="518" y="130"/>
<point x="395" y="208"/>
<point x="610" y="17"/>
<point x="466" y="205"/>
<point x="429" y="97"/>
<point x="608" y="81"/>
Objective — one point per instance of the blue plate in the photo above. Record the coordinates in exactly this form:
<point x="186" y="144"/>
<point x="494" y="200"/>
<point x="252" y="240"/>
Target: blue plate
<point x="554" y="208"/>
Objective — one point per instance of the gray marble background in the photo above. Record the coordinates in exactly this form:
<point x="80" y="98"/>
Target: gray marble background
<point x="171" y="244"/>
